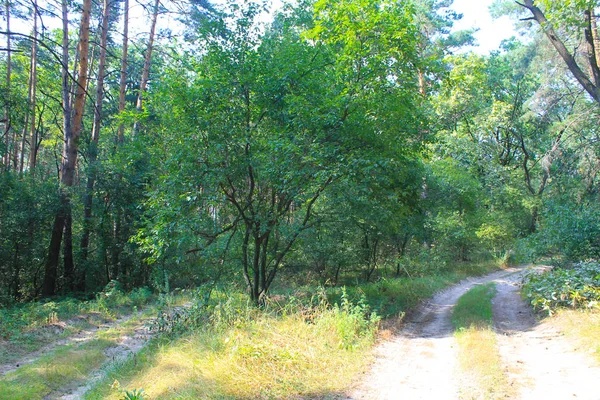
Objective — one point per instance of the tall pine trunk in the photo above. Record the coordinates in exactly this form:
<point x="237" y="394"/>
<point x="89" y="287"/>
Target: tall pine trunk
<point x="123" y="83"/>
<point x="8" y="84"/>
<point x="147" y="61"/>
<point x="70" y="149"/>
<point x="33" y="139"/>
<point x="93" y="153"/>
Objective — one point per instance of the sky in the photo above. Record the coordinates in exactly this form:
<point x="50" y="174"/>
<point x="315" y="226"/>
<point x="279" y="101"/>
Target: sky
<point x="491" y="31"/>
<point x="475" y="15"/>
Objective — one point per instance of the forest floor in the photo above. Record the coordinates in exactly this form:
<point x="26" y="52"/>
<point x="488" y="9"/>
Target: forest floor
<point x="537" y="360"/>
<point x="420" y="359"/>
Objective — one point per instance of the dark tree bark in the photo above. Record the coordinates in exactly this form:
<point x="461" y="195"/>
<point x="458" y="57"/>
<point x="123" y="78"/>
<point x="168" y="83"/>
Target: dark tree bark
<point x="68" y="165"/>
<point x="93" y="153"/>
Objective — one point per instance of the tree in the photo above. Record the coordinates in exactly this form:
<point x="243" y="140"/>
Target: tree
<point x="93" y="153"/>
<point x="147" y="63"/>
<point x="63" y="218"/>
<point x="272" y="122"/>
<point x="560" y="11"/>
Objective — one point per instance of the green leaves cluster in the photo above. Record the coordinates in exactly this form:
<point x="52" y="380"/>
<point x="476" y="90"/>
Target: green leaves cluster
<point x="576" y="287"/>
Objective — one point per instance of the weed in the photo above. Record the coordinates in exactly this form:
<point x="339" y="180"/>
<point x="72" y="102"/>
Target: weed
<point x="135" y="394"/>
<point x="240" y="351"/>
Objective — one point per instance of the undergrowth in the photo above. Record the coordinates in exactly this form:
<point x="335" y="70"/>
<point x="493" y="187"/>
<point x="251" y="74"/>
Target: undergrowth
<point x="308" y="342"/>
<point x="576" y="287"/>
<point x="109" y="304"/>
<point x="232" y="349"/>
<point x="393" y="297"/>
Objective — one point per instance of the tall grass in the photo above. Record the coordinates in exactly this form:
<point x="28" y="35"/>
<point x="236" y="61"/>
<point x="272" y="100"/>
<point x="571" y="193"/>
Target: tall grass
<point x="243" y="352"/>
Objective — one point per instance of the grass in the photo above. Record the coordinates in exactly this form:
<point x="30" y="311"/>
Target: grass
<point x="474" y="308"/>
<point x="29" y="327"/>
<point x="393" y="297"/>
<point x="479" y="358"/>
<point x="312" y="345"/>
<point x="247" y="353"/>
<point x="299" y="347"/>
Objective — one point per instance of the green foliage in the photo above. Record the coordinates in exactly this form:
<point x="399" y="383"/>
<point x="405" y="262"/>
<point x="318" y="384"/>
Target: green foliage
<point x="576" y="287"/>
<point x="135" y="394"/>
<point x="474" y="308"/>
<point x="570" y="231"/>
<point x="351" y="321"/>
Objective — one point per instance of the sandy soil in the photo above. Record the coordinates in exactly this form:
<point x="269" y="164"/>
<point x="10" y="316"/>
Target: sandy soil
<point x="421" y="361"/>
<point x="540" y="361"/>
<point x="129" y="346"/>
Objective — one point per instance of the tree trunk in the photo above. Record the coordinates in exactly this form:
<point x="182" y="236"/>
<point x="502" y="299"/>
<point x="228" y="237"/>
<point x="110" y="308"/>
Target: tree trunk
<point x="32" y="93"/>
<point x="69" y="162"/>
<point x="123" y="84"/>
<point x="8" y="84"/>
<point x="93" y="154"/>
<point x="51" y="268"/>
<point x="66" y="86"/>
<point x="534" y="218"/>
<point x="69" y="264"/>
<point x="595" y="37"/>
<point x="147" y="61"/>
<point x="586" y="82"/>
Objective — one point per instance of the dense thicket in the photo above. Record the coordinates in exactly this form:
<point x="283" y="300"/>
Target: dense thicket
<point x="341" y="139"/>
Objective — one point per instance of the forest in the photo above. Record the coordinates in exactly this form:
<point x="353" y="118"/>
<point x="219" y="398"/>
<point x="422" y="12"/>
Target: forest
<point x="240" y="148"/>
<point x="341" y="139"/>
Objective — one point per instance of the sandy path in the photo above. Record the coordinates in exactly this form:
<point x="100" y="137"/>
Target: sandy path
<point x="128" y="346"/>
<point x="82" y="336"/>
<point x="421" y="362"/>
<point x="539" y="360"/>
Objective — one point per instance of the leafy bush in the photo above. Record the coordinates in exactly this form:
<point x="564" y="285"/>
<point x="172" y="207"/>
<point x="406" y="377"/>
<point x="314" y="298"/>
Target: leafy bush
<point x="577" y="287"/>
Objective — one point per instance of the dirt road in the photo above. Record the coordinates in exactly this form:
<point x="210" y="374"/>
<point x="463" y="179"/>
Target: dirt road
<point x="422" y="361"/>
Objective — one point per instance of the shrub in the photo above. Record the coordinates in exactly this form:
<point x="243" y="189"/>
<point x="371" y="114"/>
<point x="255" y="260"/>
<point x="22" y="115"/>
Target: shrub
<point x="577" y="287"/>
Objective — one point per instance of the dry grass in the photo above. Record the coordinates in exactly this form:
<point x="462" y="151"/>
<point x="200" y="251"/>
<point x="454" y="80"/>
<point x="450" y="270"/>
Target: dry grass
<point x="583" y="326"/>
<point x="285" y="357"/>
<point x="481" y="365"/>
<point x="484" y="377"/>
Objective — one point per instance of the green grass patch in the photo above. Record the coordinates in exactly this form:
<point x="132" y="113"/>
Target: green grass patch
<point x="307" y="342"/>
<point x="479" y="358"/>
<point x="474" y="308"/>
<point x="243" y="352"/>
